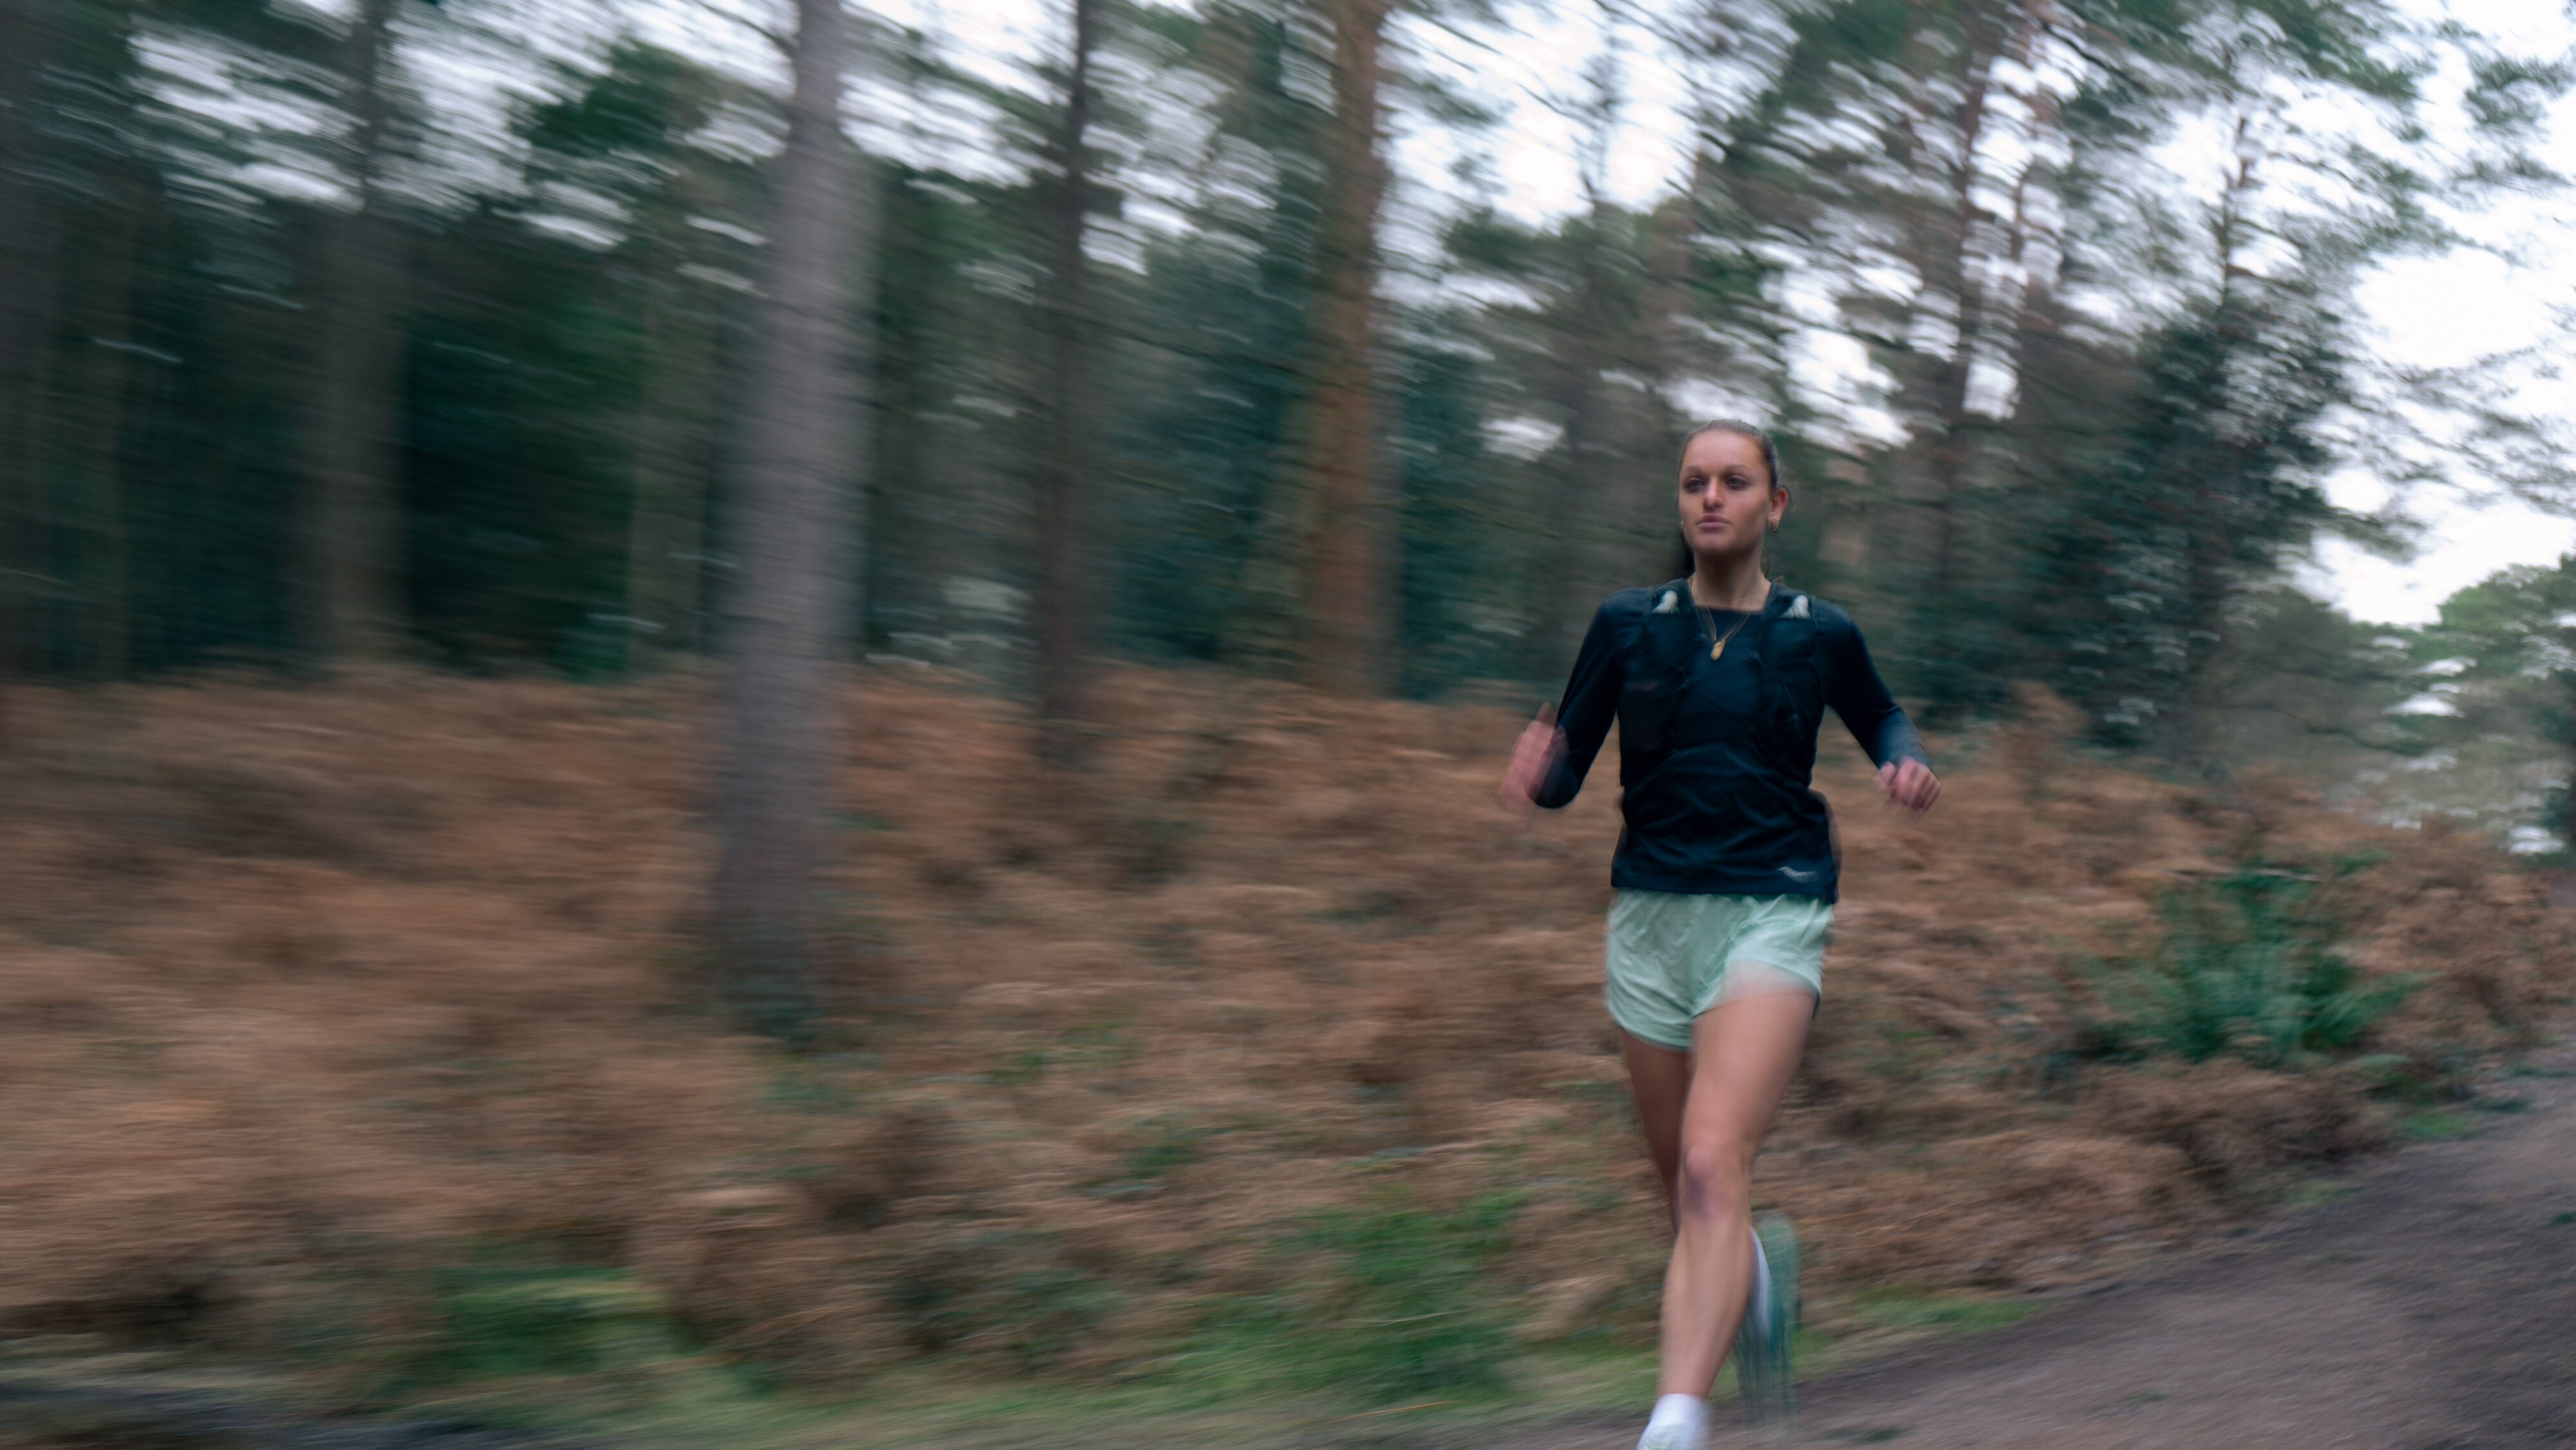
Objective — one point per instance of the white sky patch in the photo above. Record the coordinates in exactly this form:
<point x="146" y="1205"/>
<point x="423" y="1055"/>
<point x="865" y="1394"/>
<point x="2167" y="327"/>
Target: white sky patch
<point x="1522" y="437"/>
<point x="1701" y="400"/>
<point x="2449" y="310"/>
<point x="1529" y="69"/>
<point x="2465" y="544"/>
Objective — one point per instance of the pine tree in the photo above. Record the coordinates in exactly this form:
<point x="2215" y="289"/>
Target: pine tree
<point x="1347" y="599"/>
<point x="355" y="437"/>
<point x="1068" y="457"/>
<point x="787" y="606"/>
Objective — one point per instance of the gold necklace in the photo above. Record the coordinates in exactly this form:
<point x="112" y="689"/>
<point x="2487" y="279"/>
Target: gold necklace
<point x="1708" y="627"/>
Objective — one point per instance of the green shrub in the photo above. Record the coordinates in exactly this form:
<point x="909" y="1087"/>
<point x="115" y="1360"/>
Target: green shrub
<point x="2245" y="965"/>
<point x="1005" y="1291"/>
<point x="498" y="1322"/>
<point x="1405" y="1305"/>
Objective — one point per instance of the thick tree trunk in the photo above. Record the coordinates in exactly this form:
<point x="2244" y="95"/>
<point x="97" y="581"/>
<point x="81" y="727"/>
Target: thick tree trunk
<point x="26" y="39"/>
<point x="1063" y="518"/>
<point x="356" y="461"/>
<point x="793" y="561"/>
<point x="1348" y="601"/>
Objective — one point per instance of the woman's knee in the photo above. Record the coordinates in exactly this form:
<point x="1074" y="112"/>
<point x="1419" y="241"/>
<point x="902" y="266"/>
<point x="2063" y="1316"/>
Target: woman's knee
<point x="1716" y="1175"/>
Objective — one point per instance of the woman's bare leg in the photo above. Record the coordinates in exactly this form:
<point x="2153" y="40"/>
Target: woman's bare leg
<point x="1659" y="1080"/>
<point x="1743" y="1053"/>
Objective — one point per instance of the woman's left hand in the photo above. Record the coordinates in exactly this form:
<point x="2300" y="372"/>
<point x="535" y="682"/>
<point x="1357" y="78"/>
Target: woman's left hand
<point x="1532" y="758"/>
<point x="1909" y="783"/>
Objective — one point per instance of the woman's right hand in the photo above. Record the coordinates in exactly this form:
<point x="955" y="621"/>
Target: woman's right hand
<point x="1532" y="758"/>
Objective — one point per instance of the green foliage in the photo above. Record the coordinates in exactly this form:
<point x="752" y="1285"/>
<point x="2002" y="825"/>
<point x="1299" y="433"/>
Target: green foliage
<point x="2435" y="1125"/>
<point x="2139" y="574"/>
<point x="1452" y="532"/>
<point x="571" y="293"/>
<point x="2490" y="718"/>
<point x="1010" y="1293"/>
<point x="2247" y="966"/>
<point x="1404" y="1306"/>
<point x="497" y="1321"/>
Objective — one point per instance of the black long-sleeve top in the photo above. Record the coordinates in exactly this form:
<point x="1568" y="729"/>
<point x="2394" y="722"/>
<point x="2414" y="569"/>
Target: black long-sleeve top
<point x="1717" y="756"/>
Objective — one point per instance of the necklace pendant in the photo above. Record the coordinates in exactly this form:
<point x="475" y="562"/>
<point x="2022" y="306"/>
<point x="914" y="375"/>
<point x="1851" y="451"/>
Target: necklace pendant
<point x="1717" y="649"/>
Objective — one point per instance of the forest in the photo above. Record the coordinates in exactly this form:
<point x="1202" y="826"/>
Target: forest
<point x="897" y="527"/>
<point x="488" y="338"/>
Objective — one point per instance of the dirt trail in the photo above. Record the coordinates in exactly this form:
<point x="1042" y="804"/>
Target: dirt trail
<point x="2432" y="1309"/>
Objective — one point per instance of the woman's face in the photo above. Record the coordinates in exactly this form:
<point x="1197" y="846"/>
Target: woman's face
<point x="1728" y="498"/>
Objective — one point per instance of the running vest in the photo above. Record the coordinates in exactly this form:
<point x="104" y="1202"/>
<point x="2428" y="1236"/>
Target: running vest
<point x="1670" y="643"/>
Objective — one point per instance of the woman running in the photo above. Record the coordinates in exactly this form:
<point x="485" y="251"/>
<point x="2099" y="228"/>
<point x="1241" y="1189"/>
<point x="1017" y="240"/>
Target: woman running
<point x="1725" y="876"/>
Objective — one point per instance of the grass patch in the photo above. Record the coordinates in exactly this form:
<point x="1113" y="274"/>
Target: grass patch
<point x="511" y="1316"/>
<point x="500" y="1323"/>
<point x="1939" y="1312"/>
<point x="2435" y="1125"/>
<point x="1394" y="1303"/>
<point x="1006" y="1292"/>
<point x="2317" y="1191"/>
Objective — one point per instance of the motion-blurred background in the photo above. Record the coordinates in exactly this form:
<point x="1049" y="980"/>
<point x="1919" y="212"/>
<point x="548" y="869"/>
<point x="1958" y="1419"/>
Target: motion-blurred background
<point x="764" y="713"/>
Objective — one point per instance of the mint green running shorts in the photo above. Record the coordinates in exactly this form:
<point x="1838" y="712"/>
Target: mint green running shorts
<point x="1673" y="956"/>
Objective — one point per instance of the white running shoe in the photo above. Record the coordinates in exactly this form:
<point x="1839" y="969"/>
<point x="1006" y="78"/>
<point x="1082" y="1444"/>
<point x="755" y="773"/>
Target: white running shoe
<point x="1680" y="1422"/>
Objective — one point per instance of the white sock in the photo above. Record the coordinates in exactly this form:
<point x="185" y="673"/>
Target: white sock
<point x="1685" y="1416"/>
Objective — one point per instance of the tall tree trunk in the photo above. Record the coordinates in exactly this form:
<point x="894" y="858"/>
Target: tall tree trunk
<point x="26" y="256"/>
<point x="1569" y="560"/>
<point x="786" y="607"/>
<point x="2206" y="519"/>
<point x="98" y="434"/>
<point x="1347" y="598"/>
<point x="2035" y="314"/>
<point x="51" y="611"/>
<point x="1950" y="454"/>
<point x="356" y="460"/>
<point x="2567" y="817"/>
<point x="1063" y="520"/>
<point x="1671" y="255"/>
